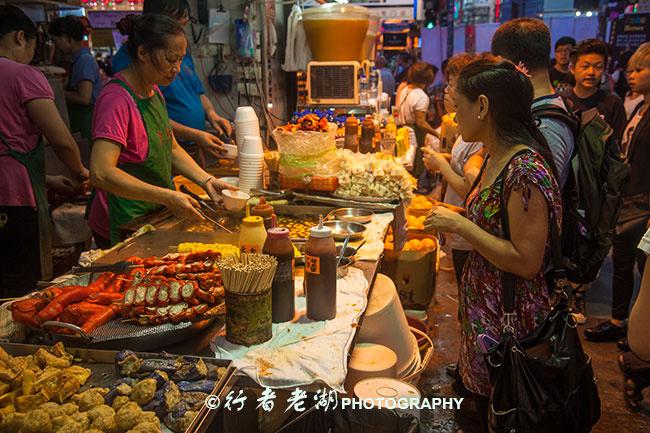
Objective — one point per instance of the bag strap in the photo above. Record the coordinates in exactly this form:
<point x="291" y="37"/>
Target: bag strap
<point x="509" y="280"/>
<point x="558" y="113"/>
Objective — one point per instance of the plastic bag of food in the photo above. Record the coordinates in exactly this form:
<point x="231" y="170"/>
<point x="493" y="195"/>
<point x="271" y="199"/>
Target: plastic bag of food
<point x="307" y="155"/>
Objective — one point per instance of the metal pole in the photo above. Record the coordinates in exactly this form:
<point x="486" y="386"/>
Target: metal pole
<point x="602" y="19"/>
<point x="450" y="28"/>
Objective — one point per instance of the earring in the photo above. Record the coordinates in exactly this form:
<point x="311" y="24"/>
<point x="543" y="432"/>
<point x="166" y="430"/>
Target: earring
<point x="478" y="117"/>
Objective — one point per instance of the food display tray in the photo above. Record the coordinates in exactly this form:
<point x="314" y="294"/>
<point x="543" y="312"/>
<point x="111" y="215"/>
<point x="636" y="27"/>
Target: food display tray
<point x="105" y="374"/>
<point x="356" y="202"/>
<point x="120" y="334"/>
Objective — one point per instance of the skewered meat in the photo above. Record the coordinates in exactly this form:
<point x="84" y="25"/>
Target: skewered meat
<point x="100" y="318"/>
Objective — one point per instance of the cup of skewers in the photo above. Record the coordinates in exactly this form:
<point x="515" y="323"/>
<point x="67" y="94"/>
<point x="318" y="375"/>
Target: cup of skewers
<point x="247" y="280"/>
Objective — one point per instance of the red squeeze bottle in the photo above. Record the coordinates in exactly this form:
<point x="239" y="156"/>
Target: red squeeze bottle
<point x="320" y="274"/>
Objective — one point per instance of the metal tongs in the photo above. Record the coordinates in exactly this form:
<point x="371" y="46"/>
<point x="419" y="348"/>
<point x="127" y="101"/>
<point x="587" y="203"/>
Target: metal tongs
<point x="204" y="205"/>
<point x="116" y="268"/>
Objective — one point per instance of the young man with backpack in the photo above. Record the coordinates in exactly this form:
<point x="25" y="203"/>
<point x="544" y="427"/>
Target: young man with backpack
<point x="592" y="174"/>
<point x="588" y="64"/>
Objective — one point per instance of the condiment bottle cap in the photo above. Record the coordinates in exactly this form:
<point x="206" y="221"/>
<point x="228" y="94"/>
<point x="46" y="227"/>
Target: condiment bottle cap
<point x="277" y="233"/>
<point x="320" y="231"/>
<point x="253" y="220"/>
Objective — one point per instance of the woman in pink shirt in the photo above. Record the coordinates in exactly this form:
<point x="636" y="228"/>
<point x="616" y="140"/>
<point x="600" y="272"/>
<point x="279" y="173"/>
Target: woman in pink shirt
<point x="134" y="149"/>
<point x="27" y="110"/>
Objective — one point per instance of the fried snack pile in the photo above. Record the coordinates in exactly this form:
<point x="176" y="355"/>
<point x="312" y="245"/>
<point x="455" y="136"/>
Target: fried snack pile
<point x="308" y="122"/>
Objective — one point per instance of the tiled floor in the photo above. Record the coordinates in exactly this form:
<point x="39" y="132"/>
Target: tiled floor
<point x="615" y="418"/>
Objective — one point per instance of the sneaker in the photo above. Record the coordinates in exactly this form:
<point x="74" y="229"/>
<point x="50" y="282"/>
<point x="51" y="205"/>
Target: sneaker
<point x="578" y="307"/>
<point x="605" y="331"/>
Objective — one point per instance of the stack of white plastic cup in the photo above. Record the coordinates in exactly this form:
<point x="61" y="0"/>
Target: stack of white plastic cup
<point x="246" y="124"/>
<point x="251" y="164"/>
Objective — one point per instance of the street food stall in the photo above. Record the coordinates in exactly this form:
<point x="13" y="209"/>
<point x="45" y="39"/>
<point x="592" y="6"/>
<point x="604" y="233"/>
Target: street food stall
<point x="297" y="279"/>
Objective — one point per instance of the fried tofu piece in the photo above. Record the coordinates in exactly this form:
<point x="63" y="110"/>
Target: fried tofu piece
<point x="100" y="411"/>
<point x="120" y="401"/>
<point x="82" y="419"/>
<point x="144" y="391"/>
<point x="128" y="416"/>
<point x="12" y="423"/>
<point x="106" y="424"/>
<point x="4" y="388"/>
<point x="26" y="403"/>
<point x="36" y="421"/>
<point x="8" y="398"/>
<point x="7" y="375"/>
<point x="82" y="374"/>
<point x="7" y="410"/>
<point x="145" y="427"/>
<point x="47" y="359"/>
<point x="60" y="421"/>
<point x="29" y="379"/>
<point x="68" y="387"/>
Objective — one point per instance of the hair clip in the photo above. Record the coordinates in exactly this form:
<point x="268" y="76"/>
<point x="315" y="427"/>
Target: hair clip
<point x="522" y="69"/>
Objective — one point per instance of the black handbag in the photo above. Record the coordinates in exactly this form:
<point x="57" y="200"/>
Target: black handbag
<point x="544" y="382"/>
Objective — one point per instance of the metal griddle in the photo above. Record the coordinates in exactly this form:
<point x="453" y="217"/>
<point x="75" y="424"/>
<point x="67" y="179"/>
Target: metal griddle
<point x="105" y="374"/>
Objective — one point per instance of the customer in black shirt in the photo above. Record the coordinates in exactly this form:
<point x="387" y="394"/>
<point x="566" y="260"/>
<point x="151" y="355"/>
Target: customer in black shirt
<point x="560" y="74"/>
<point x="588" y="64"/>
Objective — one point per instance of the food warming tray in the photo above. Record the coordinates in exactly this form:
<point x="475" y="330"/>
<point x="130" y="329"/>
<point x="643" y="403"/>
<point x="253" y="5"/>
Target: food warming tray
<point x="105" y="374"/>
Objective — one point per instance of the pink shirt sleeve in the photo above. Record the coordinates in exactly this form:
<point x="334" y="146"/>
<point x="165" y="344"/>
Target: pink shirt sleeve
<point x="117" y="118"/>
<point x="33" y="85"/>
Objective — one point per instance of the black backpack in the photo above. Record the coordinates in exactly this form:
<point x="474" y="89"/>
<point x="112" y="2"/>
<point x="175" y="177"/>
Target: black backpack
<point x="593" y="193"/>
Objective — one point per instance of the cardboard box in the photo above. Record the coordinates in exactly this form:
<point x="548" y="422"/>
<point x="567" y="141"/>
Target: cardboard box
<point x="413" y="272"/>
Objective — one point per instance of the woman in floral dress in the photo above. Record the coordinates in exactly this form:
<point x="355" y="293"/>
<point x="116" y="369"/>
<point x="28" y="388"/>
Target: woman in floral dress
<point x="493" y="106"/>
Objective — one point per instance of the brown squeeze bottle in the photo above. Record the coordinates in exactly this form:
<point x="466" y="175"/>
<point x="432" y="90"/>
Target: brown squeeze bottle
<point x="367" y="135"/>
<point x="265" y="211"/>
<point x="279" y="246"/>
<point x="320" y="273"/>
<point x="352" y="133"/>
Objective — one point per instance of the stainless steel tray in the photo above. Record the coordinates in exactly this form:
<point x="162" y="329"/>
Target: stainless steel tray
<point x="120" y="335"/>
<point x="105" y="374"/>
<point x="347" y="203"/>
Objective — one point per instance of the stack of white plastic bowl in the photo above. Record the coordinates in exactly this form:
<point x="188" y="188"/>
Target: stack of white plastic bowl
<point x="246" y="124"/>
<point x="251" y="164"/>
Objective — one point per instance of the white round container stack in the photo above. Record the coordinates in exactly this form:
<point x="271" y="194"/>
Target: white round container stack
<point x="385" y="323"/>
<point x="389" y="393"/>
<point x="370" y="360"/>
<point x="246" y="124"/>
<point x="251" y="164"/>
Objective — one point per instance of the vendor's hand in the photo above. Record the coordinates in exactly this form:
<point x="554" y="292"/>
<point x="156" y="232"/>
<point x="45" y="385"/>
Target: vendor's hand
<point x="443" y="219"/>
<point x="214" y="187"/>
<point x="220" y="124"/>
<point x="433" y="161"/>
<point x="183" y="206"/>
<point x="60" y="184"/>
<point x="83" y="179"/>
<point x="210" y="143"/>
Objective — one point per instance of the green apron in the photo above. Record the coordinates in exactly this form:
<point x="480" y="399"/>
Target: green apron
<point x="34" y="163"/>
<point x="81" y="119"/>
<point x="156" y="169"/>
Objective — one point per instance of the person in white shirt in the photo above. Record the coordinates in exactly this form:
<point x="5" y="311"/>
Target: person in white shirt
<point x="412" y="106"/>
